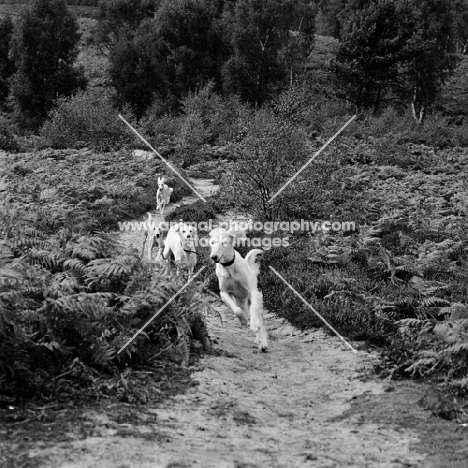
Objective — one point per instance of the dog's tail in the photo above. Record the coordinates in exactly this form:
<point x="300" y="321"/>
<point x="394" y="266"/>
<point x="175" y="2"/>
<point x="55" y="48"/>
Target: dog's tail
<point x="251" y="259"/>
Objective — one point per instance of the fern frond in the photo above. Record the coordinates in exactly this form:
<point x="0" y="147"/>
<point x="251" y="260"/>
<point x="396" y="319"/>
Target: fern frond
<point x="46" y="258"/>
<point x="432" y="301"/>
<point x="6" y="254"/>
<point x="63" y="283"/>
<point x="90" y="306"/>
<point x="458" y="348"/>
<point x="75" y="265"/>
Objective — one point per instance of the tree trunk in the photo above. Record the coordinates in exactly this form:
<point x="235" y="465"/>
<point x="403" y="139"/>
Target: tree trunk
<point x="418" y="118"/>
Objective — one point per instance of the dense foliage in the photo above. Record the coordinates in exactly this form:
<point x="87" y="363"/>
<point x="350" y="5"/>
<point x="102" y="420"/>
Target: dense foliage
<point x="253" y="48"/>
<point x="395" y="52"/>
<point x="87" y="118"/>
<point x="70" y="295"/>
<point x="6" y="64"/>
<point x="43" y="50"/>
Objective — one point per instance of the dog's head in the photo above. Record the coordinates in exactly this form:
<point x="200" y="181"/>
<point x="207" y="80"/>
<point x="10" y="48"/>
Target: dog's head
<point x="188" y="232"/>
<point x="154" y="228"/>
<point x="222" y="242"/>
<point x="161" y="182"/>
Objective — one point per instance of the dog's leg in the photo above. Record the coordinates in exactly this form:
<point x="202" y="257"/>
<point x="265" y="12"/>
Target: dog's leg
<point x="145" y="235"/>
<point x="159" y="258"/>
<point x="254" y="324"/>
<point x="244" y="305"/>
<point x="229" y="301"/>
<point x="167" y="251"/>
<point x="192" y="261"/>
<point x="150" y="247"/>
<point x="256" y="319"/>
<point x="158" y="200"/>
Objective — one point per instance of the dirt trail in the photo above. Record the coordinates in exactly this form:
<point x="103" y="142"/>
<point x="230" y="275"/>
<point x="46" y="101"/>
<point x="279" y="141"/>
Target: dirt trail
<point x="289" y="407"/>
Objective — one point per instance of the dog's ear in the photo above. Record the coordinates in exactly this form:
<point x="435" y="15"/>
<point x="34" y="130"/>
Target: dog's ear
<point x="214" y="232"/>
<point x="178" y="226"/>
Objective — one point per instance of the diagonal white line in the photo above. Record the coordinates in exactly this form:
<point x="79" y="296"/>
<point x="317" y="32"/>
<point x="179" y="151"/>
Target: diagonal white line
<point x="160" y="310"/>
<point x="134" y="130"/>
<point x="311" y="159"/>
<point x="311" y="308"/>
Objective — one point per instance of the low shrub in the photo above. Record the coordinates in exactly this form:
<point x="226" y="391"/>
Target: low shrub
<point x="399" y="128"/>
<point x="87" y="118"/>
<point x="160" y="130"/>
<point x="195" y="212"/>
<point x="7" y="139"/>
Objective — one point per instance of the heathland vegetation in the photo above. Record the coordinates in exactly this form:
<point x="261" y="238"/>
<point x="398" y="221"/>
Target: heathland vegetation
<point x="243" y="92"/>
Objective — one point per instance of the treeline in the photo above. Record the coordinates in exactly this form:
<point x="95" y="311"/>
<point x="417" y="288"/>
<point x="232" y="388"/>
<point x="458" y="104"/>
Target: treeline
<point x="391" y="52"/>
<point x="396" y="53"/>
<point x="160" y="51"/>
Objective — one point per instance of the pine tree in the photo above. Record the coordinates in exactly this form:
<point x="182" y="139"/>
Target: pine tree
<point x="44" y="48"/>
<point x="395" y="51"/>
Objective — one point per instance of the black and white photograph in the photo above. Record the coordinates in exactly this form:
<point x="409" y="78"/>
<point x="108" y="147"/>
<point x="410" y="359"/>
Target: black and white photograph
<point x="233" y="233"/>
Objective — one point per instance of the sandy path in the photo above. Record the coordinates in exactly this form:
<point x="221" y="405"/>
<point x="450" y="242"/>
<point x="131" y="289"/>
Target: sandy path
<point x="252" y="409"/>
<point x="279" y="409"/>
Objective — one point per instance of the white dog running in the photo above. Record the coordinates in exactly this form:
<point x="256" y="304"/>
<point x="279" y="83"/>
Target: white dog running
<point x="154" y="237"/>
<point x="237" y="278"/>
<point x="180" y="241"/>
<point x="163" y="195"/>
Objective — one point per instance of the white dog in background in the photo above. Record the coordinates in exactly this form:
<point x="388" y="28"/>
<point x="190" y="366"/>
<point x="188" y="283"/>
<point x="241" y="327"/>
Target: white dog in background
<point x="237" y="278"/>
<point x="153" y="235"/>
<point x="163" y="195"/>
<point x="181" y="240"/>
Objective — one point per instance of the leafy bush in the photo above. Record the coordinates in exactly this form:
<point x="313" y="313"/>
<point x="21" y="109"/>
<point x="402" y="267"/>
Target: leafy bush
<point x="160" y="130"/>
<point x="434" y="131"/>
<point x="390" y="122"/>
<point x="399" y="128"/>
<point x="7" y="139"/>
<point x="190" y="139"/>
<point x="218" y="116"/>
<point x="87" y="119"/>
<point x="195" y="212"/>
<point x="453" y="100"/>
<point x="269" y="150"/>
